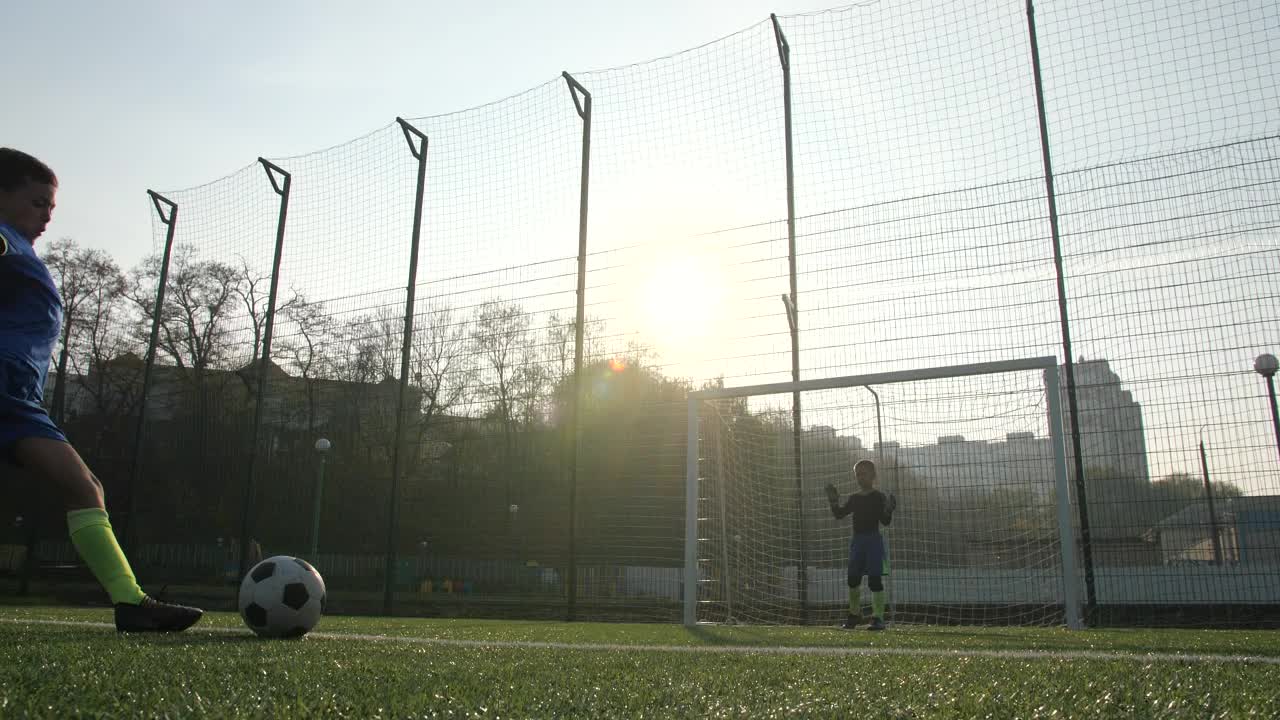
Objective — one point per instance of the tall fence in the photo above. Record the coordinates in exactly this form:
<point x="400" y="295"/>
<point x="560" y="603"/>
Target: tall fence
<point x="498" y="347"/>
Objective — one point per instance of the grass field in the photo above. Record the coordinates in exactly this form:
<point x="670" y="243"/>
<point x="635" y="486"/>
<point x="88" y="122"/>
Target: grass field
<point x="59" y="662"/>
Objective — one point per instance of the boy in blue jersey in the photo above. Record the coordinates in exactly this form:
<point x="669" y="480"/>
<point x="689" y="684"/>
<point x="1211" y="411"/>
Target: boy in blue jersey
<point x="870" y="508"/>
<point x="30" y="322"/>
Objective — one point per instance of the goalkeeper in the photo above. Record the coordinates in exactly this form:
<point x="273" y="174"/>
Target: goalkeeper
<point x="870" y="509"/>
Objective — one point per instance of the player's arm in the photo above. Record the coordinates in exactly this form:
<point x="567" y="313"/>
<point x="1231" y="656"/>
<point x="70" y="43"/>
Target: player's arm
<point x="833" y="499"/>
<point x="10" y="257"/>
<point x="8" y="264"/>
<point x="7" y="249"/>
<point x="886" y="513"/>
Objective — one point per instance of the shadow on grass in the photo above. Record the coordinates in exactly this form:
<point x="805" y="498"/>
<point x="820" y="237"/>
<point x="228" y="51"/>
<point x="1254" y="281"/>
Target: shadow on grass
<point x="737" y="635"/>
<point x="54" y="633"/>
<point x="905" y="637"/>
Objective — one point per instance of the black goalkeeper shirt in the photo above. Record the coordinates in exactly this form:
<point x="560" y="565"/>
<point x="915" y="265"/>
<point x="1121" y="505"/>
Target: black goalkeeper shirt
<point x="868" y="511"/>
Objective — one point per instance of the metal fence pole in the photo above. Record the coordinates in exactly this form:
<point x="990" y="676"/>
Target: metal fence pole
<point x="1086" y="541"/>
<point x="264" y="362"/>
<point x="420" y="154"/>
<point x="581" y="101"/>
<point x="139" y="434"/>
<point x="793" y="316"/>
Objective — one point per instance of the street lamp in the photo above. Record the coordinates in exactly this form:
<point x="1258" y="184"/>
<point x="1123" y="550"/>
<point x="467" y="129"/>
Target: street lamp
<point x="322" y="446"/>
<point x="29" y="557"/>
<point x="1266" y="366"/>
<point x="513" y="512"/>
<point x="423" y="572"/>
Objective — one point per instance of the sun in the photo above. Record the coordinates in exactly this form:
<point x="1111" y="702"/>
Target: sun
<point x="681" y="304"/>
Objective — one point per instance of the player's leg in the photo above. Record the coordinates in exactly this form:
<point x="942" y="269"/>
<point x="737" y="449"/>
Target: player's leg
<point x="876" y="584"/>
<point x="54" y="462"/>
<point x="875" y="565"/>
<point x="857" y="568"/>
<point x="58" y="466"/>
<point x="854" y="617"/>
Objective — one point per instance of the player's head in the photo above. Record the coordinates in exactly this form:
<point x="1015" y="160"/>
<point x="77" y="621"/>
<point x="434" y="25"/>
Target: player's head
<point x="865" y="473"/>
<point x="27" y="189"/>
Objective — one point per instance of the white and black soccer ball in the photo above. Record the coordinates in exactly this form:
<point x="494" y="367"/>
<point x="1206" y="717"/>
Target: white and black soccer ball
<point x="282" y="597"/>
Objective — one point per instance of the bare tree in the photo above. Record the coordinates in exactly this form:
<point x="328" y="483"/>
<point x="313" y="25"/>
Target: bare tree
<point x="199" y="305"/>
<point x="442" y="367"/>
<point x="532" y="384"/>
<point x="373" y="342"/>
<point x="501" y="338"/>
<point x="253" y="288"/>
<point x="500" y="333"/>
<point x="103" y="340"/>
<point x="63" y="258"/>
<point x="560" y="337"/>
<point x="92" y="289"/>
<point x="367" y="365"/>
<point x="560" y="340"/>
<point x="309" y="333"/>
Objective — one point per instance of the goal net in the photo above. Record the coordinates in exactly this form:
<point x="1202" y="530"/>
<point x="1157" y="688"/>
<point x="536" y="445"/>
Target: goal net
<point x="973" y="453"/>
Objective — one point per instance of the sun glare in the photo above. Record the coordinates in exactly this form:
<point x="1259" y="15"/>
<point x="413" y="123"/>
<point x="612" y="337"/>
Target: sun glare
<point x="681" y="306"/>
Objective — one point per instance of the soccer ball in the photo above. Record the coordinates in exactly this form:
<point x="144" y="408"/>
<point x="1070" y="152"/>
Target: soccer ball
<point x="282" y="597"/>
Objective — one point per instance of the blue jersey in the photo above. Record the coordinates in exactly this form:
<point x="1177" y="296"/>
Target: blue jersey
<point x="30" y="322"/>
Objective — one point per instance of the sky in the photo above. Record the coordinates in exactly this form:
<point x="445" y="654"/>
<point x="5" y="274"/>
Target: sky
<point x="122" y="98"/>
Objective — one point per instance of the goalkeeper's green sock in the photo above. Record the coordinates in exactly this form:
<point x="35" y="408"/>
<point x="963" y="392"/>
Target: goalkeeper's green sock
<point x="93" y="538"/>
<point x="877" y="604"/>
<point x="855" y="601"/>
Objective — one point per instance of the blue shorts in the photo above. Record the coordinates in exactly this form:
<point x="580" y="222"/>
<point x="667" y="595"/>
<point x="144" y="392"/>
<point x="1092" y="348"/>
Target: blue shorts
<point x="21" y="413"/>
<point x="19" y="421"/>
<point x="866" y="556"/>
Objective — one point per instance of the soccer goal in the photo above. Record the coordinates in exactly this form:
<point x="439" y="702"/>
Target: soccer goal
<point x="974" y="453"/>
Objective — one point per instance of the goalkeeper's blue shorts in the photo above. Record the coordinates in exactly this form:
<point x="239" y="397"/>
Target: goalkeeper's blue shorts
<point x="866" y="556"/>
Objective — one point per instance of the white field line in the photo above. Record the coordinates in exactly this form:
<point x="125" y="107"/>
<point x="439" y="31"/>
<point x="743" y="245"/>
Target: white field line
<point x="738" y="649"/>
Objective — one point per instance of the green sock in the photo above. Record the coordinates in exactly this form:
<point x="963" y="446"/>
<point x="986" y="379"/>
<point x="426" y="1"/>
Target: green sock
<point x="855" y="601"/>
<point x="877" y="604"/>
<point x="92" y="535"/>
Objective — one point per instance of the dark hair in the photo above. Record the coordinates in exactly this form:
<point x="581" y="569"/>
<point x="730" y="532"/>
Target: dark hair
<point x="17" y="167"/>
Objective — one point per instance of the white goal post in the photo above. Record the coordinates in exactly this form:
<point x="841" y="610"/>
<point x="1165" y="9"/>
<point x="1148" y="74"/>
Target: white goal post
<point x="743" y="564"/>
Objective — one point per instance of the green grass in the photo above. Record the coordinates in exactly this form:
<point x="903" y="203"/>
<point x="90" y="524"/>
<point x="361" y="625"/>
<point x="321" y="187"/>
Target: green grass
<point x="470" y="668"/>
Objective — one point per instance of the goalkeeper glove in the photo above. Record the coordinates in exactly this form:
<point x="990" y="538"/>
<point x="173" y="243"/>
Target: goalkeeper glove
<point x="833" y="497"/>
<point x="891" y="504"/>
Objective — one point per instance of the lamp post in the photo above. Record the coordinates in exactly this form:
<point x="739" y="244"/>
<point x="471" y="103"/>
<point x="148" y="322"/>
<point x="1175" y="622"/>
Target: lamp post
<point x="28" y="558"/>
<point x="423" y="571"/>
<point x="322" y="446"/>
<point x="1266" y="366"/>
<point x="513" y="514"/>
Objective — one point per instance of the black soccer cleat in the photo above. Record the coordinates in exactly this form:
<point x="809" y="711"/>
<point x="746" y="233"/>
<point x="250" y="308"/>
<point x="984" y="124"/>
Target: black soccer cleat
<point x="151" y="615"/>
<point x="851" y="622"/>
<point x="876" y="624"/>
